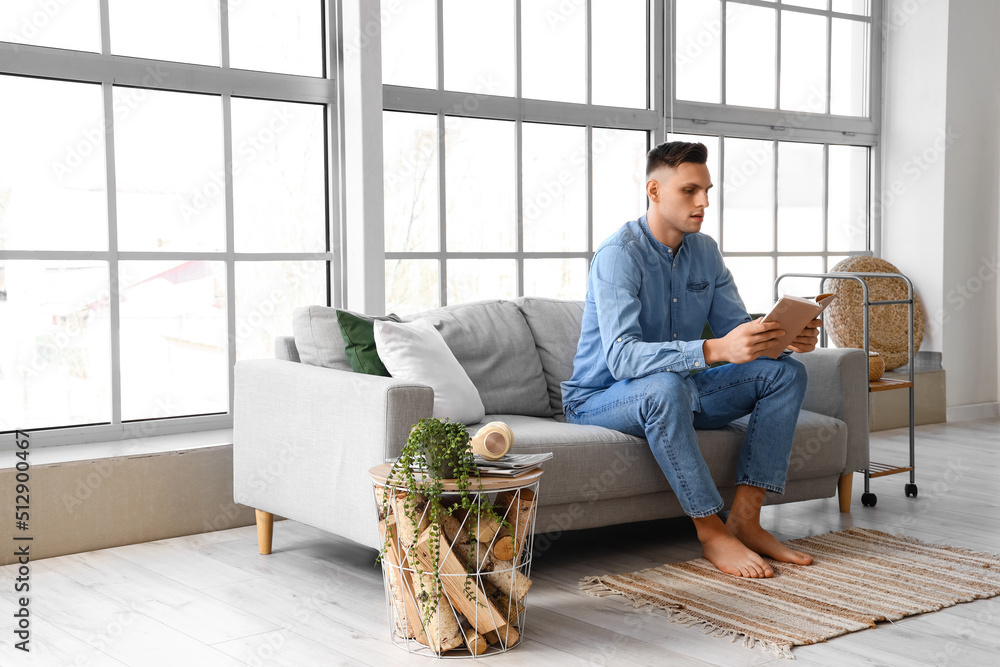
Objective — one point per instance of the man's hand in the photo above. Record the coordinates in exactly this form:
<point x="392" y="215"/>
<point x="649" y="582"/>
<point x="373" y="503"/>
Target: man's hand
<point x="806" y="341"/>
<point x="744" y="343"/>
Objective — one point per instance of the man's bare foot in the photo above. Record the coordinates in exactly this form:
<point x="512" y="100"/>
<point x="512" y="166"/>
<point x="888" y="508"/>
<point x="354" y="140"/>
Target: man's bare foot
<point x="755" y="537"/>
<point x="726" y="552"/>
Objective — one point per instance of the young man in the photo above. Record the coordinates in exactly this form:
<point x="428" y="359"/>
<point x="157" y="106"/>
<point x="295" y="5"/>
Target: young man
<point x="653" y="284"/>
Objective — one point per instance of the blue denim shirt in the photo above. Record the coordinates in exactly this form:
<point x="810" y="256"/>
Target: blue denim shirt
<point x="646" y="309"/>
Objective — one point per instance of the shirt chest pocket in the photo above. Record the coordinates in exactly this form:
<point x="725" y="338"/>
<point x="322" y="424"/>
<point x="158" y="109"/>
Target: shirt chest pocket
<point x="697" y="287"/>
<point x="698" y="296"/>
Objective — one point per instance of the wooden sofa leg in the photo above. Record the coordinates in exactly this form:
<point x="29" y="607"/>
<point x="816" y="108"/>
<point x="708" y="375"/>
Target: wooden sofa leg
<point x="843" y="492"/>
<point x="265" y="529"/>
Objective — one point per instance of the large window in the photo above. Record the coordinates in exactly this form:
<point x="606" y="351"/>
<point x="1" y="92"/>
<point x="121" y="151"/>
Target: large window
<point x="511" y="152"/>
<point x="494" y="137"/>
<point x="163" y="205"/>
<point x="781" y="93"/>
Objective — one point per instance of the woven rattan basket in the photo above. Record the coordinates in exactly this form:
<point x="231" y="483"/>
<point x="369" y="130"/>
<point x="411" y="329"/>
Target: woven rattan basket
<point x="887" y="324"/>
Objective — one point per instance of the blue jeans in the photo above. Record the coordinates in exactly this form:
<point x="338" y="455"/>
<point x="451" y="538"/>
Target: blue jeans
<point x="666" y="408"/>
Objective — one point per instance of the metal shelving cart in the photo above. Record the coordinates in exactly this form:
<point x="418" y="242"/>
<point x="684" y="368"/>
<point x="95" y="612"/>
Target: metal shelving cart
<point x="868" y="499"/>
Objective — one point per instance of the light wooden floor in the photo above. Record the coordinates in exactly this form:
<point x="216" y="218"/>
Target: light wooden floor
<point x="317" y="600"/>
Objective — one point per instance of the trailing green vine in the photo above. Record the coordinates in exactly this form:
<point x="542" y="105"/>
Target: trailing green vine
<point x="436" y="450"/>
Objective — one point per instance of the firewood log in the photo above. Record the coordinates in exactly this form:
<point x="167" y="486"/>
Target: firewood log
<point x="408" y="532"/>
<point x="520" y="508"/>
<point x="509" y="608"/>
<point x="503" y="547"/>
<point x="442" y="628"/>
<point x="475" y="642"/>
<point x="479" y="611"/>
<point x="401" y="585"/>
<point x="510" y="580"/>
<point x="509" y="636"/>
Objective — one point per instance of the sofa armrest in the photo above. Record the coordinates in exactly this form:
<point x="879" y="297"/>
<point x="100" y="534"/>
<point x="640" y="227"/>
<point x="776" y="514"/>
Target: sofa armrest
<point x="305" y="436"/>
<point x="838" y="387"/>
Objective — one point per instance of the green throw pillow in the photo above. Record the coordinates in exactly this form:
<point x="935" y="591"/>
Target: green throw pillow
<point x="358" y="332"/>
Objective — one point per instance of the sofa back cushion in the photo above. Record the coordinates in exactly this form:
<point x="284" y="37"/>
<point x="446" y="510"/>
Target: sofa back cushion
<point x="493" y="343"/>
<point x="555" y="325"/>
<point x="317" y="337"/>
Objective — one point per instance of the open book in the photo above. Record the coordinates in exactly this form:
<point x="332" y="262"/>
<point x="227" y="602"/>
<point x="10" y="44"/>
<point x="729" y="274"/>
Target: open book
<point x="794" y="313"/>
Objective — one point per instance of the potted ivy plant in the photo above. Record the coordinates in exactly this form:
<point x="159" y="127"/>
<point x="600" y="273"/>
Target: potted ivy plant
<point x="437" y="450"/>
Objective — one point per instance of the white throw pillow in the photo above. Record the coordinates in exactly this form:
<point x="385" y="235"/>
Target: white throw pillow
<point x="416" y="351"/>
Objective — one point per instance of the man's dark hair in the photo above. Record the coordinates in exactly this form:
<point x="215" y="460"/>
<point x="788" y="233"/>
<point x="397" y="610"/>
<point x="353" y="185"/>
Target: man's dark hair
<point x="672" y="153"/>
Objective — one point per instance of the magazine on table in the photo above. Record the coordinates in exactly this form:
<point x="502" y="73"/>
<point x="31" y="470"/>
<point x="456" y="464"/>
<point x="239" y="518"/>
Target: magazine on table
<point x="511" y="465"/>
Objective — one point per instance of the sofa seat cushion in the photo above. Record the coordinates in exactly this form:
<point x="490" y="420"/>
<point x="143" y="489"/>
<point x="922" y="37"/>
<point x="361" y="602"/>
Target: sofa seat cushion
<point x="592" y="462"/>
<point x="493" y="344"/>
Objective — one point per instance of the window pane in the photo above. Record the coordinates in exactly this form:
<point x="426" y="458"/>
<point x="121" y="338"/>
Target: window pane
<point x="699" y="50"/>
<point x="479" y="174"/>
<point x="805" y="287"/>
<point x="812" y="4"/>
<point x="754" y="277"/>
<point x="174" y="356"/>
<point x="479" y="46"/>
<point x="618" y="52"/>
<point x="710" y="226"/>
<point x="266" y="295"/>
<point x="410" y="181"/>
<point x="279" y="176"/>
<point x="183" y="30"/>
<point x="409" y="54"/>
<point x="851" y="6"/>
<point x="748" y="218"/>
<point x="169" y="170"/>
<point x="55" y="345"/>
<point x="619" y="179"/>
<point x="411" y="285"/>
<point x="63" y="24"/>
<point x="849" y="68"/>
<point x="800" y="197"/>
<point x="803" y="62"/>
<point x="832" y="260"/>
<point x="53" y="188"/>
<point x="554" y="50"/>
<point x="277" y="36"/>
<point x="477" y="279"/>
<point x="750" y="54"/>
<point x="555" y="187"/>
<point x="848" y="204"/>
<point x="556" y="278"/>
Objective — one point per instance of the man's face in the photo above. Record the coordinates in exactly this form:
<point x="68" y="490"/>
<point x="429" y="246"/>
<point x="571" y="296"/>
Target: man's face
<point x="680" y="195"/>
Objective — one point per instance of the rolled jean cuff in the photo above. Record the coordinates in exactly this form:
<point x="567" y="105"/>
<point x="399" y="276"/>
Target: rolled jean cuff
<point x="761" y="485"/>
<point x="701" y="515"/>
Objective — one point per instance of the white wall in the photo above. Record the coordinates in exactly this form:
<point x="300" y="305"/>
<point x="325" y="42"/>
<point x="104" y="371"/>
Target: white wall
<point x="972" y="172"/>
<point x="941" y="171"/>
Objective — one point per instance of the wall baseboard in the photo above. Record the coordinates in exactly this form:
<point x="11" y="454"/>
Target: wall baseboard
<point x="94" y="504"/>
<point x="961" y="413"/>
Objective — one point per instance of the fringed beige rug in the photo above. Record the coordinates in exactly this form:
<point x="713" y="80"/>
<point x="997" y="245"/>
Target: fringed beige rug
<point x="858" y="577"/>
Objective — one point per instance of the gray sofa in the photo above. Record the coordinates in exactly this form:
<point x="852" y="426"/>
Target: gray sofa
<point x="307" y="428"/>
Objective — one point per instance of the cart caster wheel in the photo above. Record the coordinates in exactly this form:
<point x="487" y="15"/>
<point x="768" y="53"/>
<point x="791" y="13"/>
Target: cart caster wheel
<point x="869" y="499"/>
<point x="911" y="490"/>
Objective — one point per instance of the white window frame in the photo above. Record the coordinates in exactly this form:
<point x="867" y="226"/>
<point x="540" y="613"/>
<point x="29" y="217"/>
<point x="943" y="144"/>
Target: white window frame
<point x="442" y="103"/>
<point x="110" y="71"/>
<point x="783" y="125"/>
<point x="666" y="115"/>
